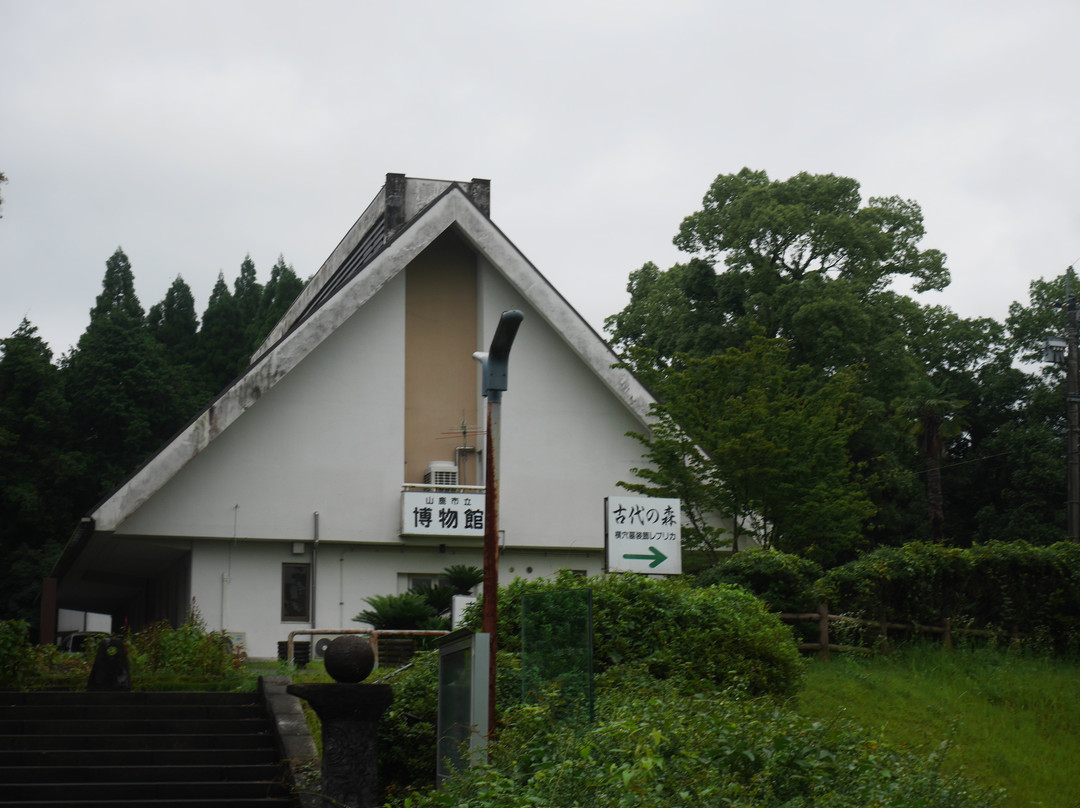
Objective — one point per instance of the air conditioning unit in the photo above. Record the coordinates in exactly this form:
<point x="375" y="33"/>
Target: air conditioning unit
<point x="237" y="641"/>
<point x="319" y="644"/>
<point x="441" y="472"/>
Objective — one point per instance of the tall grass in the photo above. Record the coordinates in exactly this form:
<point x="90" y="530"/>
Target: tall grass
<point x="1008" y="719"/>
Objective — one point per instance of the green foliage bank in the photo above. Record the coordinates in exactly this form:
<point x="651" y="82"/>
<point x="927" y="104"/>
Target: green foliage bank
<point x="691" y="710"/>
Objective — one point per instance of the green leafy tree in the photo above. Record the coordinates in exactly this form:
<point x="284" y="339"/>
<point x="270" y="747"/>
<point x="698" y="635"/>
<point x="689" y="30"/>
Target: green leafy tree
<point x="933" y="418"/>
<point x="174" y="326"/>
<point x="807" y="261"/>
<point x="778" y="246"/>
<point x="235" y="323"/>
<point x="746" y="435"/>
<point x="1004" y="475"/>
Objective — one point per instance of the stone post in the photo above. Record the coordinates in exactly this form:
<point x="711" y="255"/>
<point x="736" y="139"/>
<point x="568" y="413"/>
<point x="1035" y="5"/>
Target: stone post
<point x="349" y="713"/>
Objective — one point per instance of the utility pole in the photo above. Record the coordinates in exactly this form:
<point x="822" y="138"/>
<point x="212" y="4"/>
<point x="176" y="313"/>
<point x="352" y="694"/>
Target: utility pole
<point x="1072" y="412"/>
<point x="495" y="364"/>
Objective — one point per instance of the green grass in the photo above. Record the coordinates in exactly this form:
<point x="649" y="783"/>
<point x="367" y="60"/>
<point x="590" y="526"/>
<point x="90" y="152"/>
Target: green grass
<point x="1009" y="720"/>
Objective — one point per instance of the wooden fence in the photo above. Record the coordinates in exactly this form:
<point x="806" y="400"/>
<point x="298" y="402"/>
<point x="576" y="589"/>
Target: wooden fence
<point x="824" y="644"/>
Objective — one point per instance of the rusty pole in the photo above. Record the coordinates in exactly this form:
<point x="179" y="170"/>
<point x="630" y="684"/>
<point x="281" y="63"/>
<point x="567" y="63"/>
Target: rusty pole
<point x="495" y="364"/>
<point x="490" y="608"/>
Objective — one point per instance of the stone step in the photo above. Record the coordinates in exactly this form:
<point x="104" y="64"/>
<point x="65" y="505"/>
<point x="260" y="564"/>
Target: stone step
<point x="154" y="712"/>
<point x="65" y="749"/>
<point x="136" y="741"/>
<point x="133" y="726"/>
<point x="201" y="773"/>
<point x="94" y="755"/>
<point x="148" y="793"/>
<point x="164" y="802"/>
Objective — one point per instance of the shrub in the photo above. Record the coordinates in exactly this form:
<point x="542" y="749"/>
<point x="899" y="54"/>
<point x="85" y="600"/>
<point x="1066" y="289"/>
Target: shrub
<point x="188" y="650"/>
<point x="919" y="581"/>
<point x="27" y="667"/>
<point x="784" y="581"/>
<point x="159" y="656"/>
<point x="408" y="611"/>
<point x="462" y="578"/>
<point x="656" y="746"/>
<point x="16" y="653"/>
<point x="720" y="634"/>
<point x="1014" y="587"/>
<point x="407" y="742"/>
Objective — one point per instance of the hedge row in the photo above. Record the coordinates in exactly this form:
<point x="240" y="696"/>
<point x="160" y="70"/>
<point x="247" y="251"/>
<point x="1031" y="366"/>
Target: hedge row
<point x="1012" y="587"/>
<point x="722" y="635"/>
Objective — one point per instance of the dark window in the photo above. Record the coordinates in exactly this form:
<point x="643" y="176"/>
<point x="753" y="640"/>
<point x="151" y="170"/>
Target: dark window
<point x="296" y="593"/>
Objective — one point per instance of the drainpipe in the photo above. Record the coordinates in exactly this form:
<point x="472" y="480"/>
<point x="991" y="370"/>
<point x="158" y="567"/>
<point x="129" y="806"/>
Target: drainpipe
<point x="495" y="364"/>
<point x="314" y="567"/>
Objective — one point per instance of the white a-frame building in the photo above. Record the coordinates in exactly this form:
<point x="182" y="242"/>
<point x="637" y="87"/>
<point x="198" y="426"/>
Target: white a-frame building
<point x="311" y="483"/>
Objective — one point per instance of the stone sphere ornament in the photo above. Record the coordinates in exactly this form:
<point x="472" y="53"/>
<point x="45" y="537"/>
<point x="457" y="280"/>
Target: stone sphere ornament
<point x="349" y="659"/>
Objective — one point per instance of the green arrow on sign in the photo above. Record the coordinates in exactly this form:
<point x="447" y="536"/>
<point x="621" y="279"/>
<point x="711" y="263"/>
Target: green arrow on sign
<point x="654" y="556"/>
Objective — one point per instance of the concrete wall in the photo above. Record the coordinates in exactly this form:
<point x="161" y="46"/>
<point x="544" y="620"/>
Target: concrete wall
<point x="564" y="434"/>
<point x="237" y="586"/>
<point x="327" y="438"/>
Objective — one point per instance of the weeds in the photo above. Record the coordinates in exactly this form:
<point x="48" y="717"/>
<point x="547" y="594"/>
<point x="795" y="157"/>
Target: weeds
<point x="160" y="658"/>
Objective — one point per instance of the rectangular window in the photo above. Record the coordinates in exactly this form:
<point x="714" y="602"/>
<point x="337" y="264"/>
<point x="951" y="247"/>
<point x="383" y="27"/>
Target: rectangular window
<point x="295" y="593"/>
<point x="407" y="581"/>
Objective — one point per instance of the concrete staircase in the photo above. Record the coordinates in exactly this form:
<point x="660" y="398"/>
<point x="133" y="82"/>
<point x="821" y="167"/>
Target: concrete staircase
<point x="170" y="749"/>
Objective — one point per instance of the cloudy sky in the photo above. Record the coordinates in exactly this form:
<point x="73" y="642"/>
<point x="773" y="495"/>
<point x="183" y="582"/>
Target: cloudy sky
<point x="193" y="133"/>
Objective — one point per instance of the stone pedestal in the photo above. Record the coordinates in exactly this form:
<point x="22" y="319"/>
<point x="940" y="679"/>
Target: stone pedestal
<point x="350" y="714"/>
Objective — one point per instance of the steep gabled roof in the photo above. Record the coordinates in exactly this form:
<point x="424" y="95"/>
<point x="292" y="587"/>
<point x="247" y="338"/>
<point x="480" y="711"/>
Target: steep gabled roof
<point x="403" y="220"/>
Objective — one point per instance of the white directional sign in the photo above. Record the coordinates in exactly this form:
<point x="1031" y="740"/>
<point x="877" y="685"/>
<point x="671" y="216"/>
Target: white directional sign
<point x="643" y="534"/>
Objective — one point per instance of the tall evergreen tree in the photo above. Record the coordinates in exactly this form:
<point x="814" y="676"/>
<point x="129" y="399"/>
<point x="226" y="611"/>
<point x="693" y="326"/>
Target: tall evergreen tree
<point x="221" y="339"/>
<point x="278" y="294"/>
<point x="124" y="400"/>
<point x="173" y="322"/>
<point x="247" y="291"/>
<point x="37" y="470"/>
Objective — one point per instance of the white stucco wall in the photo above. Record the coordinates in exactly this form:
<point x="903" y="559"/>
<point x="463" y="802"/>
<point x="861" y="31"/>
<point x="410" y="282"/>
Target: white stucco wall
<point x="237" y="585"/>
<point x="325" y="438"/>
<point x="564" y="434"/>
<point x="329" y="436"/>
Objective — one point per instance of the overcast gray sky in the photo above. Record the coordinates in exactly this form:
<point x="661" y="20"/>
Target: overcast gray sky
<point x="193" y="133"/>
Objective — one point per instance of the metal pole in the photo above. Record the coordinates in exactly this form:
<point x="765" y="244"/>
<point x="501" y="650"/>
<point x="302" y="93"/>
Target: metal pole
<point x="495" y="364"/>
<point x="490" y="608"/>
